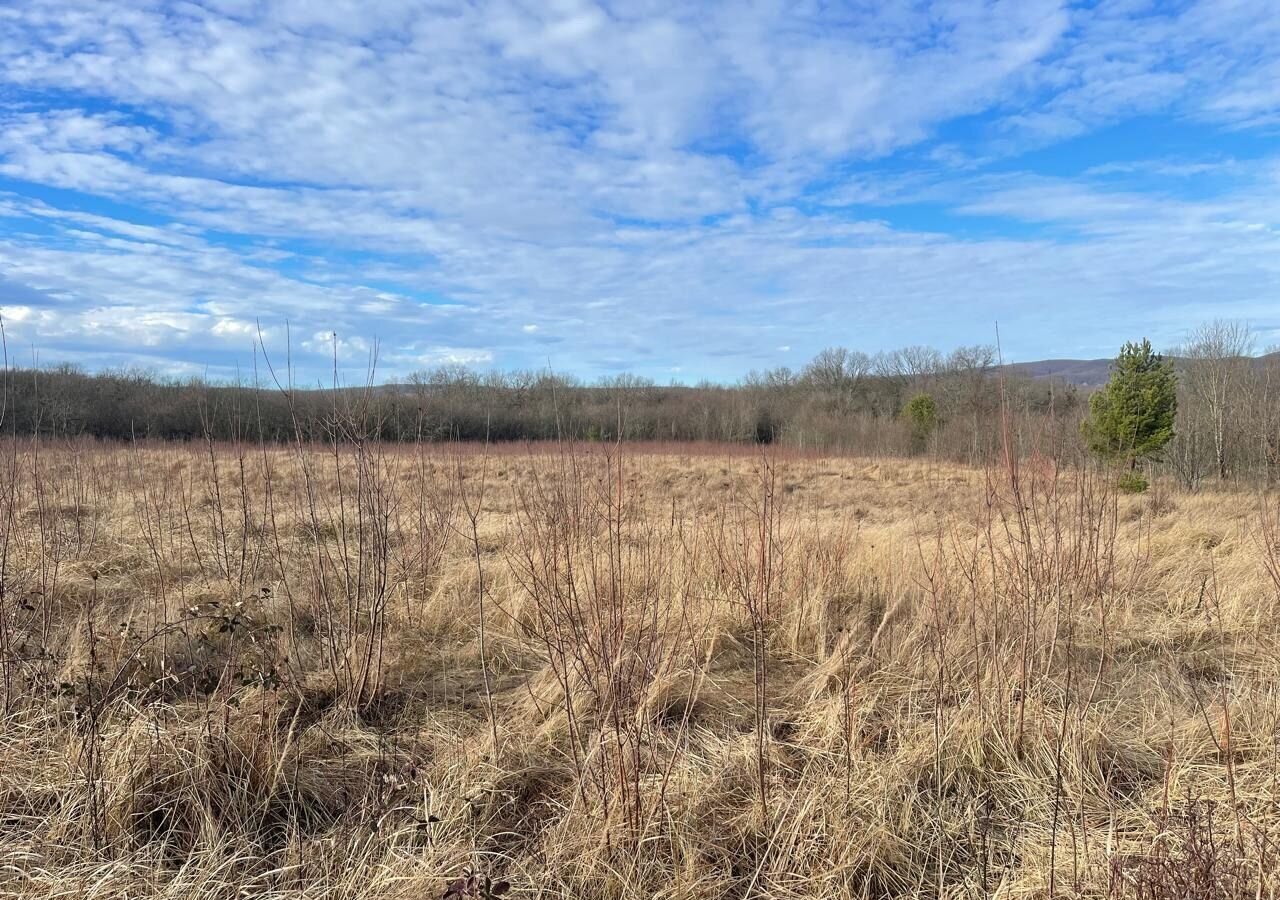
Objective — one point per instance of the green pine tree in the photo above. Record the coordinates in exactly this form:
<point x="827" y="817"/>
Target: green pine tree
<point x="1132" y="417"/>
<point x="921" y="412"/>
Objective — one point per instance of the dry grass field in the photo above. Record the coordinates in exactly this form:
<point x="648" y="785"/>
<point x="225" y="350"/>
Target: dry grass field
<point x="373" y="671"/>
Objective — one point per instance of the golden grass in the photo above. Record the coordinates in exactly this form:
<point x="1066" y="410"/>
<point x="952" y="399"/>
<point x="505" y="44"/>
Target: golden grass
<point x="232" y="671"/>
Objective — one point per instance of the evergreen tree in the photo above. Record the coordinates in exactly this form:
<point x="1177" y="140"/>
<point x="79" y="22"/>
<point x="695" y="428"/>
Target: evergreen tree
<point x="1132" y="417"/>
<point x="922" y="412"/>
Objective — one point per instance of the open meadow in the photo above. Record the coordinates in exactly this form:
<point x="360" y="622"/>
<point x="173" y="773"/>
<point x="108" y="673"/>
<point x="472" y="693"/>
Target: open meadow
<point x="609" y="671"/>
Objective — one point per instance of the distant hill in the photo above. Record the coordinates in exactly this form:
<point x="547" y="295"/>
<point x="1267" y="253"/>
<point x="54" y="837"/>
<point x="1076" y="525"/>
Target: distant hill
<point x="1086" y="373"/>
<point x="1080" y="372"/>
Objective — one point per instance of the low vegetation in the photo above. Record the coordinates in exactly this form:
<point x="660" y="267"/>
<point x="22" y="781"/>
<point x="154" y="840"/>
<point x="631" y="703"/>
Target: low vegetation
<point x="350" y="668"/>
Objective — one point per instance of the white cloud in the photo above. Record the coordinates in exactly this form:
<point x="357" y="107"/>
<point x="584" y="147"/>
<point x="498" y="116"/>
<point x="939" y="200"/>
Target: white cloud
<point x="640" y="178"/>
<point x="12" y="314"/>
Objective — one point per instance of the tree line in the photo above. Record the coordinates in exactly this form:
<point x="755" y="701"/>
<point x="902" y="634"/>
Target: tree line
<point x="842" y="400"/>
<point x="960" y="405"/>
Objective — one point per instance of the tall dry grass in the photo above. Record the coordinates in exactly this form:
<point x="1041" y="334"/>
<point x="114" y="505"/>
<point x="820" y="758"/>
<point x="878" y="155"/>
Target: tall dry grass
<point x="360" y="670"/>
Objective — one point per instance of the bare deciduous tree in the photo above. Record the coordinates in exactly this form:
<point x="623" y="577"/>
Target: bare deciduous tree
<point x="1217" y="368"/>
<point x="1265" y="412"/>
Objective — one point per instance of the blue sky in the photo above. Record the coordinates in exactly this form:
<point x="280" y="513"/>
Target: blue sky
<point x="680" y="190"/>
